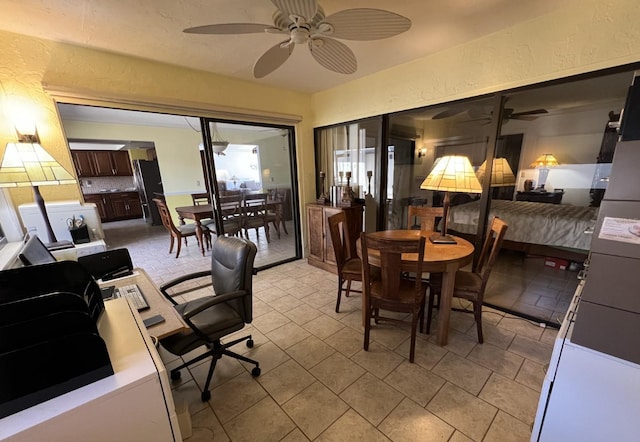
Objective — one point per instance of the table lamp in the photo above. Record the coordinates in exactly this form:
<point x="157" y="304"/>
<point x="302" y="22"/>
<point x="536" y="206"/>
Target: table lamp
<point x="543" y="163"/>
<point x="28" y="164"/>
<point x="501" y="173"/>
<point x="450" y="174"/>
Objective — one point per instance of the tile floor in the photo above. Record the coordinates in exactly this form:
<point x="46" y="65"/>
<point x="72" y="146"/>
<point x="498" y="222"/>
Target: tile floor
<point x="318" y="384"/>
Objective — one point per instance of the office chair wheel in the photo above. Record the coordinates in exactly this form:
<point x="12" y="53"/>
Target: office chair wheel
<point x="250" y="343"/>
<point x="206" y="395"/>
<point x="255" y="372"/>
<point x="175" y="375"/>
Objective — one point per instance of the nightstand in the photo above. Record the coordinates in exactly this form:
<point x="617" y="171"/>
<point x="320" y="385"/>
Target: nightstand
<point x="540" y="197"/>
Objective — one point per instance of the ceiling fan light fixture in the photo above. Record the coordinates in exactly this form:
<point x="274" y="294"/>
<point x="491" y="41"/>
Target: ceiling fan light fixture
<point x="217" y="143"/>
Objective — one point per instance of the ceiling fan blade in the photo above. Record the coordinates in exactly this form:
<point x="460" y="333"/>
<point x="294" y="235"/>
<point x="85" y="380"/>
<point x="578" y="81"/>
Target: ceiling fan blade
<point x="272" y="59"/>
<point x="366" y="24"/>
<point x="447" y="113"/>
<point x="524" y="117"/>
<point x="531" y="112"/>
<point x="229" y="28"/>
<point x="303" y="8"/>
<point x="333" y="55"/>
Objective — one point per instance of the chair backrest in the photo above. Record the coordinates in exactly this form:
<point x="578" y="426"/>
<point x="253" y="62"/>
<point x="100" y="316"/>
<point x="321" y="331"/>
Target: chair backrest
<point x="391" y="270"/>
<point x="232" y="270"/>
<point x="427" y="216"/>
<point x="200" y="199"/>
<point x="339" y="232"/>
<point x="490" y="249"/>
<point x="165" y="216"/>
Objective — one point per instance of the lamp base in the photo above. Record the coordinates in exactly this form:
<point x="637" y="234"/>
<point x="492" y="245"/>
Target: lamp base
<point x="59" y="245"/>
<point x="442" y="239"/>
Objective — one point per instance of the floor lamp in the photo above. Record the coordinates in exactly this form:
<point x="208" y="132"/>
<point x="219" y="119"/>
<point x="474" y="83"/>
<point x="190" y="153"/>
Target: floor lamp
<point x="450" y="174"/>
<point x="28" y="164"/>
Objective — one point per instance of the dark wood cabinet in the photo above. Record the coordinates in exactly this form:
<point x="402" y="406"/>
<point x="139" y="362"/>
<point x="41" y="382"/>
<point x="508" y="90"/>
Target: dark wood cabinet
<point x="321" y="252"/>
<point x="116" y="206"/>
<point x="91" y="163"/>
<point x="125" y="205"/>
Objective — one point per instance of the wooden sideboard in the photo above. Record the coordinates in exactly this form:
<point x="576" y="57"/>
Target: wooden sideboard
<point x="320" y="247"/>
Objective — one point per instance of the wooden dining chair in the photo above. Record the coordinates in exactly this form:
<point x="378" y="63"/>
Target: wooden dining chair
<point x="427" y="216"/>
<point x="470" y="285"/>
<point x="348" y="264"/>
<point x="200" y="199"/>
<point x="386" y="288"/>
<point x="255" y="215"/>
<point x="181" y="232"/>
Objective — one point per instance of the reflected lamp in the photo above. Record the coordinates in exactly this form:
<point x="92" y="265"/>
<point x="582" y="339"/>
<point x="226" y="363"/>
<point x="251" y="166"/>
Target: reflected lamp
<point x="501" y="173"/>
<point x="450" y="174"/>
<point x="543" y="163"/>
<point x="29" y="164"/>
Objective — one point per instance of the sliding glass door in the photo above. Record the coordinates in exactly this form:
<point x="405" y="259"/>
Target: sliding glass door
<point x="245" y="165"/>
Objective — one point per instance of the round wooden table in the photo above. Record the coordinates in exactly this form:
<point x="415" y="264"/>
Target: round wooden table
<point x="438" y="258"/>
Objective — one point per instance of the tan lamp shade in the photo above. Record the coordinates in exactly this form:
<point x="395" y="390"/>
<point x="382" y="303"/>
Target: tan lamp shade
<point x="28" y="164"/>
<point x="452" y="174"/>
<point x="501" y="173"/>
<point x="545" y="160"/>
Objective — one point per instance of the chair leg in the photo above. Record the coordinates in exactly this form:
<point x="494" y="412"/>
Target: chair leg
<point x="414" y="324"/>
<point x="178" y="249"/>
<point x="340" y="282"/>
<point x="266" y="232"/>
<point x="348" y="288"/>
<point x="477" y="313"/>
<point x="430" y="311"/>
<point x="367" y="327"/>
<point x="171" y="244"/>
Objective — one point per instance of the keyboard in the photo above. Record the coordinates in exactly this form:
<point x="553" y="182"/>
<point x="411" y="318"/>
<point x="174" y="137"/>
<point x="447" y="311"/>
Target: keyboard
<point x="133" y="293"/>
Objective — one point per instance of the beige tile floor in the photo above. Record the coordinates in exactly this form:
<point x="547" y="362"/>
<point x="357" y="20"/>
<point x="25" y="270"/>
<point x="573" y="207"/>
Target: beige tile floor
<point x="317" y="383"/>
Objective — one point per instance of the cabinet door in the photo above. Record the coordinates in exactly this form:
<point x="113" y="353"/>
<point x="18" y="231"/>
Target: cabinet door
<point x="119" y="205"/>
<point x="134" y="209"/>
<point x="83" y="162"/>
<point x="102" y="162"/>
<point x="121" y="163"/>
<point x="102" y="204"/>
<point x="315" y="221"/>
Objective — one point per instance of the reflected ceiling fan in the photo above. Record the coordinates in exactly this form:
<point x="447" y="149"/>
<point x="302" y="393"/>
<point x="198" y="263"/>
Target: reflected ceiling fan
<point x="478" y="114"/>
<point x="303" y="21"/>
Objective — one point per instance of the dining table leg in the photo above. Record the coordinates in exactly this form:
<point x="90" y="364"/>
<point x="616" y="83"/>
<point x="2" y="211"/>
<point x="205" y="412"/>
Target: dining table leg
<point x="444" y="312"/>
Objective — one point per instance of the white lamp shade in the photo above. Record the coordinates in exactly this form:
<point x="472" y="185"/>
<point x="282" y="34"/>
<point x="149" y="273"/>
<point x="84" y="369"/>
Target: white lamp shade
<point x="501" y="173"/>
<point x="28" y="164"/>
<point x="452" y="174"/>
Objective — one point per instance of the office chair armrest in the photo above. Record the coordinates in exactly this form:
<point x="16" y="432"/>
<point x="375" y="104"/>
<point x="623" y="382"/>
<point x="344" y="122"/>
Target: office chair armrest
<point x="215" y="300"/>
<point x="164" y="287"/>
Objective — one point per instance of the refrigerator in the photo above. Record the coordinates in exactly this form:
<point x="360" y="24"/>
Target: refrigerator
<point x="146" y="176"/>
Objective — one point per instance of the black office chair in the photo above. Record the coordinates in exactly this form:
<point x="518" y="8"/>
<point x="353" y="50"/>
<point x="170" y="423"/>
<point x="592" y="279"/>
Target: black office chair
<point x="213" y="317"/>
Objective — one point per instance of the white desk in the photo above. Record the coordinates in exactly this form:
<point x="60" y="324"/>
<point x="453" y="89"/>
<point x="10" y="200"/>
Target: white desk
<point x="132" y="405"/>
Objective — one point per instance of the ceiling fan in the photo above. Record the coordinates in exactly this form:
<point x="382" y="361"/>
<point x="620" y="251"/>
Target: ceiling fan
<point x="303" y="21"/>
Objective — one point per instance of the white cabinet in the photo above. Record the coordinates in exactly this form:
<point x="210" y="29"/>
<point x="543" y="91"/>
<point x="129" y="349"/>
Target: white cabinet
<point x="132" y="405"/>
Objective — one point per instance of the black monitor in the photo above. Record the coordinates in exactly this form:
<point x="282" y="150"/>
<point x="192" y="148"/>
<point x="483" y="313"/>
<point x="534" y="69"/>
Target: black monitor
<point x="34" y="252"/>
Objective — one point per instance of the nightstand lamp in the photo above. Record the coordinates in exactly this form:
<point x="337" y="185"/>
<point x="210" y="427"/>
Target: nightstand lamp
<point x="543" y="163"/>
<point x="450" y="174"/>
<point x="26" y="163"/>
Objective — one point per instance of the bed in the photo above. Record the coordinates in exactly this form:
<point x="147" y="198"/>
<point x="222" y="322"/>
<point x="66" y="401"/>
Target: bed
<point x="551" y="229"/>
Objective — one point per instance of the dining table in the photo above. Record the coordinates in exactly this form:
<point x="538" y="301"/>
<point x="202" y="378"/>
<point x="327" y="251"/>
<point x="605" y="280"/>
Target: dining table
<point x="197" y="213"/>
<point x="438" y="258"/>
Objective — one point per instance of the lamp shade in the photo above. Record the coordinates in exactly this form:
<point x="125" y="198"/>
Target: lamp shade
<point x="545" y="160"/>
<point x="28" y="164"/>
<point x="452" y="174"/>
<point x="501" y="173"/>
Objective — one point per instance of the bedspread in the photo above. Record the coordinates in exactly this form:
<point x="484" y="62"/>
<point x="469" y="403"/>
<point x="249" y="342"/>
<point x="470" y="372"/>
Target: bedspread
<point x="555" y="225"/>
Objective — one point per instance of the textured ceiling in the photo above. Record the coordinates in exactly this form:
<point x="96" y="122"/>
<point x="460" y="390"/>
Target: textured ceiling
<point x="152" y="29"/>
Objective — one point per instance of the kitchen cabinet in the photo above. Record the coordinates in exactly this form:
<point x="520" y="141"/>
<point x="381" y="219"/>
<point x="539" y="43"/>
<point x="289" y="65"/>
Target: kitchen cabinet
<point x="91" y="163"/>
<point x="321" y="252"/>
<point x="126" y="205"/>
<point x="115" y="206"/>
<point x="83" y="162"/>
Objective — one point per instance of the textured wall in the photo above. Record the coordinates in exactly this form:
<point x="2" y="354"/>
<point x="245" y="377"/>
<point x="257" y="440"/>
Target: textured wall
<point x="581" y="37"/>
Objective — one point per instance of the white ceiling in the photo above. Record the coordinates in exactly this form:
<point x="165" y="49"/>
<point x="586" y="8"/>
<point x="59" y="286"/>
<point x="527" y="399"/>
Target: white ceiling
<point x="152" y="29"/>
